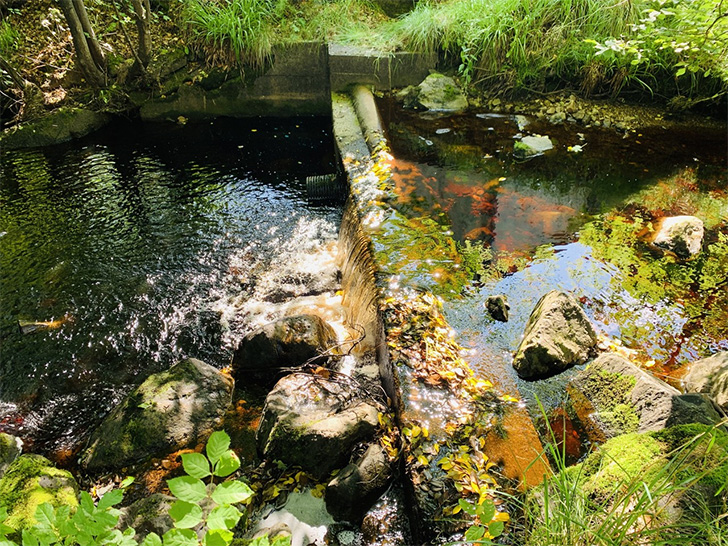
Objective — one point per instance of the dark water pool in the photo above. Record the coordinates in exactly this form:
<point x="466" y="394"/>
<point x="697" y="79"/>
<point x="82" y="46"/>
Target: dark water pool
<point x="142" y="244"/>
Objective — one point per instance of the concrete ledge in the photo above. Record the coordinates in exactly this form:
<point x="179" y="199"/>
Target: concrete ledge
<point x="350" y="65"/>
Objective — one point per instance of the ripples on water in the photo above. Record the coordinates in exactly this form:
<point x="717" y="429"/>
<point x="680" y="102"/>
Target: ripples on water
<point x="144" y="244"/>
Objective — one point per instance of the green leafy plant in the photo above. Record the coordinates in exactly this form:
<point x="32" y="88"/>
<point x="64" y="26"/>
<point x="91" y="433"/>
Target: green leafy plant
<point x="487" y="527"/>
<point x="209" y="505"/>
<point x="90" y="525"/>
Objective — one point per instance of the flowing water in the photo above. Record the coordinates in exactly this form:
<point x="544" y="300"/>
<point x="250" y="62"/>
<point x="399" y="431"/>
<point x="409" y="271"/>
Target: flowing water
<point x="142" y="244"/>
<point x="572" y="219"/>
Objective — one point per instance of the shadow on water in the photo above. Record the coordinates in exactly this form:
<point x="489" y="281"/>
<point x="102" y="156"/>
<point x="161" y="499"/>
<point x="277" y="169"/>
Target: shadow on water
<point x="125" y="251"/>
<point x="574" y="219"/>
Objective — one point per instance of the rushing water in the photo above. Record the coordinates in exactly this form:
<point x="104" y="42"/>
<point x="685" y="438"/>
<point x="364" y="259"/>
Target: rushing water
<point x="571" y="219"/>
<point x="141" y="244"/>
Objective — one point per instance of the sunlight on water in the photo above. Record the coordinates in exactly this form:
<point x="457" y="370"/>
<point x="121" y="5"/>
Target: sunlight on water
<point x="143" y="244"/>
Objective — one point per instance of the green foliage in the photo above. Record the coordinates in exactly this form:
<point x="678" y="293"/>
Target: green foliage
<point x="486" y="527"/>
<point x="685" y="39"/>
<point x="8" y="38"/>
<point x="198" y="505"/>
<point x="626" y="493"/>
<point x="209" y="504"/>
<point x="234" y="31"/>
<point x="513" y="43"/>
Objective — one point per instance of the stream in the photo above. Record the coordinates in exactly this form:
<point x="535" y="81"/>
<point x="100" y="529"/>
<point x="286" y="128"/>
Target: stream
<point x="130" y="249"/>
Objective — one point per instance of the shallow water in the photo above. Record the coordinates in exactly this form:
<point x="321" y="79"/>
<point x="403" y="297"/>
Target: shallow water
<point x="143" y="244"/>
<point x="569" y="220"/>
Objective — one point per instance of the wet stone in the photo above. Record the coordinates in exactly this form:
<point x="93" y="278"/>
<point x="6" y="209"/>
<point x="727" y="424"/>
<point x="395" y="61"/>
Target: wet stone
<point x="710" y="376"/>
<point x="558" y="336"/>
<point x="497" y="307"/>
<point x="682" y="235"/>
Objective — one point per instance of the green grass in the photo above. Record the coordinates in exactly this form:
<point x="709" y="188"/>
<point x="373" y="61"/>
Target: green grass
<point x="234" y="31"/>
<point x="8" y="38"/>
<point x="629" y="492"/>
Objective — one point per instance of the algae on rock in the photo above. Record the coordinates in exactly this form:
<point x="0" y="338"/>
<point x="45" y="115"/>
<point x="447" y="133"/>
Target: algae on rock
<point x="31" y="481"/>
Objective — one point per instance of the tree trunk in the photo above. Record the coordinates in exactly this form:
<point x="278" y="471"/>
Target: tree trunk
<point x="142" y="14"/>
<point x="85" y="43"/>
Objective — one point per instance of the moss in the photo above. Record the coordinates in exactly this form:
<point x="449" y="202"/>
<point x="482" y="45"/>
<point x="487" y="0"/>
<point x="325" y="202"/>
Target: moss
<point x="621" y="460"/>
<point x="705" y="453"/>
<point x="31" y="481"/>
<point x="622" y="418"/>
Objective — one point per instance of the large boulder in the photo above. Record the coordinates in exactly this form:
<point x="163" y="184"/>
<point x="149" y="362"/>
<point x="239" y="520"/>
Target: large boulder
<point x="171" y="410"/>
<point x="315" y="422"/>
<point x="31" y="481"/>
<point x="285" y="343"/>
<point x="614" y="396"/>
<point x="710" y="376"/>
<point x="558" y="336"/>
<point x="682" y="235"/>
<point x="353" y="491"/>
<point x="441" y="93"/>
<point x="10" y="449"/>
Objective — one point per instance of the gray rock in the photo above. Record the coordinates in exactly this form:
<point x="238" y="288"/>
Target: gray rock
<point x="531" y="146"/>
<point x="147" y="515"/>
<point x="497" y="307"/>
<point x="710" y="376"/>
<point x="288" y="342"/>
<point x="353" y="491"/>
<point x="171" y="410"/>
<point x="441" y="93"/>
<point x="60" y="126"/>
<point x="682" y="235"/>
<point x="10" y="449"/>
<point x="628" y="399"/>
<point x="30" y="481"/>
<point x="558" y="336"/>
<point x="314" y="423"/>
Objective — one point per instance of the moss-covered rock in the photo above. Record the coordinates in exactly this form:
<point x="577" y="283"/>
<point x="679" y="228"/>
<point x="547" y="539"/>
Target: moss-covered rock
<point x="10" y="449"/>
<point x="440" y="93"/>
<point x="31" y="481"/>
<point x="620" y="461"/>
<point x="171" y="410"/>
<point x="60" y="126"/>
<point x="612" y="396"/>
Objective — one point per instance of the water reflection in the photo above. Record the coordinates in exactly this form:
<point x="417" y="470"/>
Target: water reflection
<point x="136" y="240"/>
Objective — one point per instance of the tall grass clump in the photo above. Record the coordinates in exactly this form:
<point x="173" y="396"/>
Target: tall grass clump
<point x="234" y="31"/>
<point x="516" y="44"/>
<point x="8" y="38"/>
<point x="637" y="491"/>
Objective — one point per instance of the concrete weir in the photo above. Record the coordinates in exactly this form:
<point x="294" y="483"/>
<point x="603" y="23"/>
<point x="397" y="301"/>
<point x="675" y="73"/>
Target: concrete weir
<point x="362" y="146"/>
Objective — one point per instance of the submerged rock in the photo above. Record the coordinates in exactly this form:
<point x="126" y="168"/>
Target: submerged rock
<point x="288" y="342"/>
<point x="171" y="410"/>
<point x="148" y="515"/>
<point x="497" y="307"/>
<point x="31" y="481"/>
<point x="315" y="423"/>
<point x="617" y="397"/>
<point x="353" y="491"/>
<point x="558" y="336"/>
<point x="10" y="449"/>
<point x="682" y="235"/>
<point x="710" y="376"/>
<point x="441" y="93"/>
<point x="531" y="146"/>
